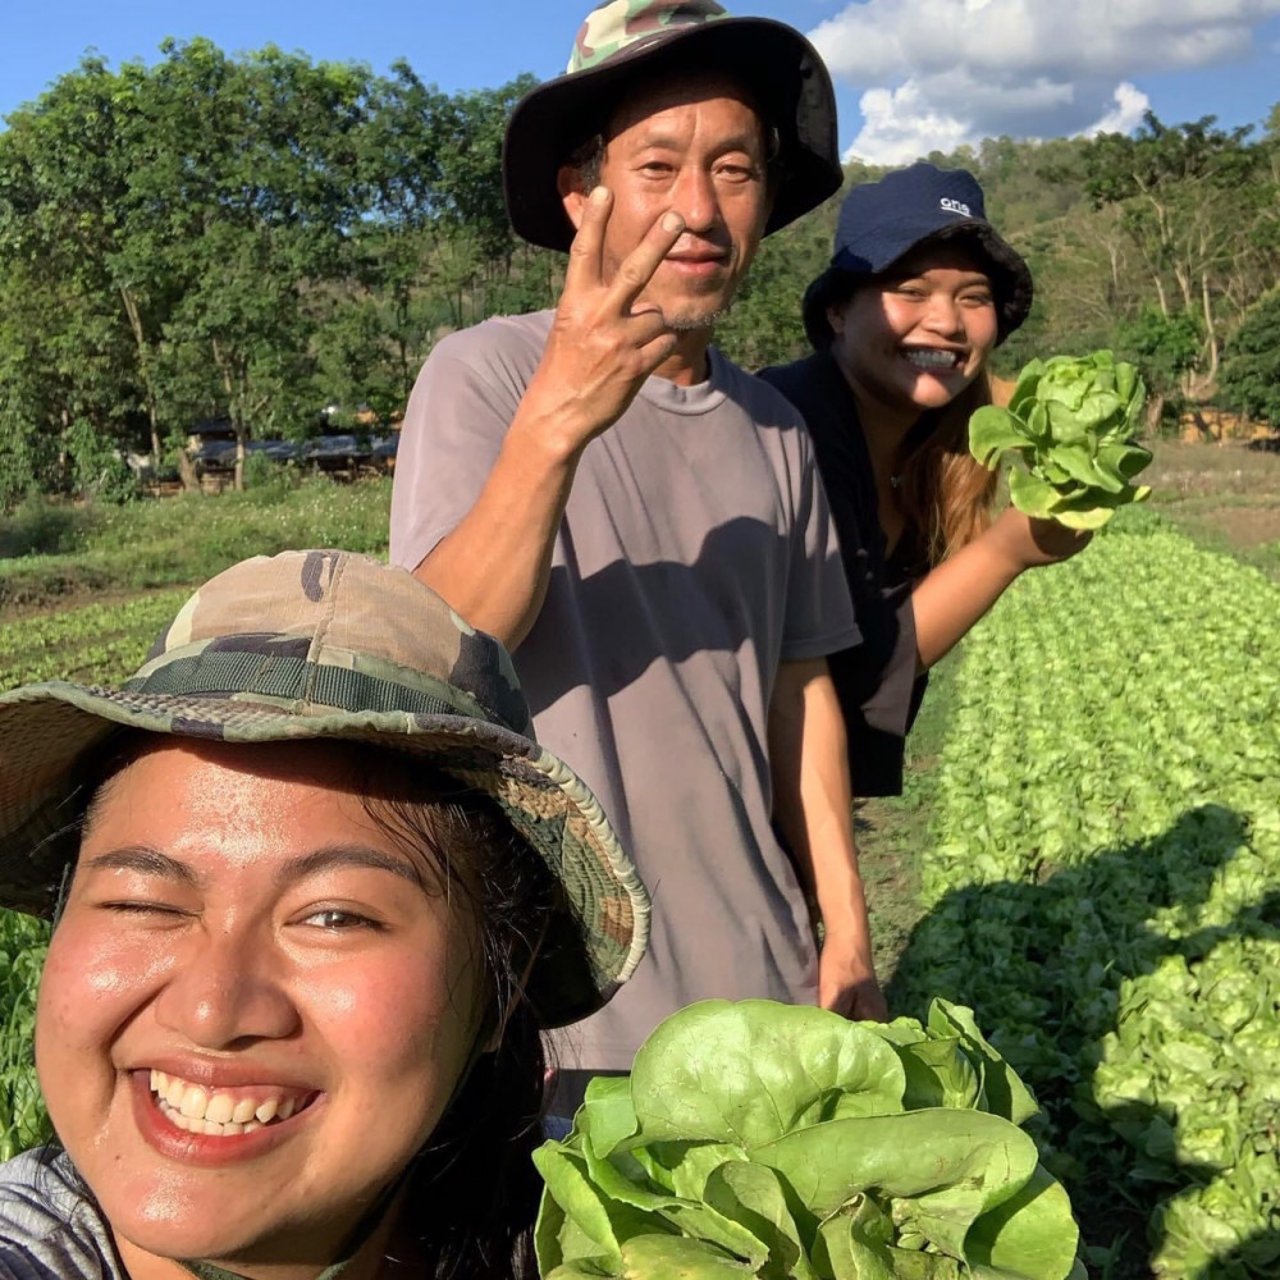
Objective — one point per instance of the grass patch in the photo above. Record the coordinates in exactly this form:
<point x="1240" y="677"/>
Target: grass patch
<point x="1180" y="470"/>
<point x="183" y="540"/>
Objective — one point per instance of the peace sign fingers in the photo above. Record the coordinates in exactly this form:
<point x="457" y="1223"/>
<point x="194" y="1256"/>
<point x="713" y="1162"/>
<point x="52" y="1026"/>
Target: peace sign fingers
<point x="586" y="253"/>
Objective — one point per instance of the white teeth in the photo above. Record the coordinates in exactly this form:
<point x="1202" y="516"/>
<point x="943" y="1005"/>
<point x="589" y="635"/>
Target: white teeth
<point x="197" y="1110"/>
<point x="194" y="1102"/>
<point x="220" y="1109"/>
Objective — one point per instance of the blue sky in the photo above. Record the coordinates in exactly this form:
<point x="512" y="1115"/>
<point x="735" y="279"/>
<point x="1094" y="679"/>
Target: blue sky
<point x="910" y="74"/>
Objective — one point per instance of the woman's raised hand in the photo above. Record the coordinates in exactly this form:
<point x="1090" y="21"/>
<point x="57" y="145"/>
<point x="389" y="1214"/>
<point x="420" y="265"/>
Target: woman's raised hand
<point x="1027" y="542"/>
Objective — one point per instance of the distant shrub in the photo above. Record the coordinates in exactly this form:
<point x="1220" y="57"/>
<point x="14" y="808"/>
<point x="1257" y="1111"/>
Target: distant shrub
<point x="40" y="527"/>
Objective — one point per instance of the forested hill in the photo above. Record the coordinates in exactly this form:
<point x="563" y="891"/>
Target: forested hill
<point x="1161" y="246"/>
<point x="260" y="238"/>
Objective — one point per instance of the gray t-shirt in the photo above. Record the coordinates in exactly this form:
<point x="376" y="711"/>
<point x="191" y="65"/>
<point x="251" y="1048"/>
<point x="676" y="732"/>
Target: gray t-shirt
<point x="49" y="1229"/>
<point x="696" y="553"/>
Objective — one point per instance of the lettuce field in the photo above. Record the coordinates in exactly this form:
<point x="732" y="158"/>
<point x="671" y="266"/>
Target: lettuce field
<point x="1103" y="888"/>
<point x="1101" y="884"/>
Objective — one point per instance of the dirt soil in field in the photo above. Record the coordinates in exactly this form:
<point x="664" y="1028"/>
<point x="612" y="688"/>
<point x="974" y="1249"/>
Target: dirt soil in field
<point x="1248" y="526"/>
<point x="1225" y="496"/>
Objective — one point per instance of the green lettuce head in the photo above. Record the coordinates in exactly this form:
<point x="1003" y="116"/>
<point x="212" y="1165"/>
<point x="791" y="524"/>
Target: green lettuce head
<point x="781" y="1142"/>
<point x="1069" y="427"/>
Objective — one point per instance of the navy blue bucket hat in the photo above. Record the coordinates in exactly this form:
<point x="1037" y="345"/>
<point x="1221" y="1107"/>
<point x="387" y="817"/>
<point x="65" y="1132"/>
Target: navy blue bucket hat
<point x="881" y="222"/>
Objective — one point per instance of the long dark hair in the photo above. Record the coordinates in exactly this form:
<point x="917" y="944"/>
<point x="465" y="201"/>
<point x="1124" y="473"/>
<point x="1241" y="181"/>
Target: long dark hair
<point x="472" y="1193"/>
<point x="945" y="493"/>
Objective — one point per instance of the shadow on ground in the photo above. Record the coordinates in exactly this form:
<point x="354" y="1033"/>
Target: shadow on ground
<point x="1043" y="965"/>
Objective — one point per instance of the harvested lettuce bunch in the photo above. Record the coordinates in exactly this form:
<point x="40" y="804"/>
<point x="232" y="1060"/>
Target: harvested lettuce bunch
<point x="783" y="1142"/>
<point x="1070" y="426"/>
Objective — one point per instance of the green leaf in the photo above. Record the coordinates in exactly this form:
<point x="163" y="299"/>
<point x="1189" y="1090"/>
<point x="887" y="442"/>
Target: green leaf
<point x="749" y="1072"/>
<point x="992" y="430"/>
<point x="684" y="1167"/>
<point x="1032" y="1234"/>
<point x="1031" y="495"/>
<point x="579" y="1207"/>
<point x="752" y="1195"/>
<point x="1003" y="1091"/>
<point x="660" y="1258"/>
<point x="693" y="1218"/>
<point x="844" y="1254"/>
<point x="940" y="1074"/>
<point x="607" y="1117"/>
<point x="947" y="1167"/>
<point x="665" y="1258"/>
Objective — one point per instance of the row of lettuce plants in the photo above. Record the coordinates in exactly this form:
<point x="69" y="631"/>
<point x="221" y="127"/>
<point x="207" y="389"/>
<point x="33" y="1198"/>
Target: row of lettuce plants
<point x="96" y="642"/>
<point x="1103" y="889"/>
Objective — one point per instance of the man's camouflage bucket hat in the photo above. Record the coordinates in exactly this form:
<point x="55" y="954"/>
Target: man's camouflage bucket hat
<point x="325" y="644"/>
<point x="627" y="42"/>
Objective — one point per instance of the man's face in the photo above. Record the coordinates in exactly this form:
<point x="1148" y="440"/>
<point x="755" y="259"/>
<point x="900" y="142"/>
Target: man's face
<point x="697" y="147"/>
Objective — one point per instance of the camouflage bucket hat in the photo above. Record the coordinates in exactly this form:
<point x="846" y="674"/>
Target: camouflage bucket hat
<point x="326" y="644"/>
<point x="624" y="43"/>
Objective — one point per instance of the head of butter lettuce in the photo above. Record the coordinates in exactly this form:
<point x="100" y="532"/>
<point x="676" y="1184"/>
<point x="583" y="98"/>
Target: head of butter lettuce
<point x="1068" y="430"/>
<point x="783" y="1142"/>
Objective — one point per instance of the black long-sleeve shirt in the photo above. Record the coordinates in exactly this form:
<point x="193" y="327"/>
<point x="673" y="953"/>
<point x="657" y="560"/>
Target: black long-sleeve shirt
<point x="876" y="681"/>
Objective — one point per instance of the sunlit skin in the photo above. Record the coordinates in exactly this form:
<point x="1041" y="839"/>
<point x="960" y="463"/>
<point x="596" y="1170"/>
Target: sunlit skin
<point x="236" y="919"/>
<point x="695" y="146"/>
<point x="938" y="299"/>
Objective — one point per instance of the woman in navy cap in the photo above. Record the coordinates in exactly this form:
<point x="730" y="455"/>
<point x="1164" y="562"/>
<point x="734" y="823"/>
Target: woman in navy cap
<point x="920" y="290"/>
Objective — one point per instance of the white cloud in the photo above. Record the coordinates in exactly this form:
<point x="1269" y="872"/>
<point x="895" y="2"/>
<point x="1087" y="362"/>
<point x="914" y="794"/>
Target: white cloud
<point x="1125" y="116"/>
<point x="899" y="126"/>
<point x="936" y="73"/>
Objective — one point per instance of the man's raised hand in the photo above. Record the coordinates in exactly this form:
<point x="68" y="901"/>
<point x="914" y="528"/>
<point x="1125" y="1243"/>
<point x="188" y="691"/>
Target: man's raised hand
<point x="603" y="343"/>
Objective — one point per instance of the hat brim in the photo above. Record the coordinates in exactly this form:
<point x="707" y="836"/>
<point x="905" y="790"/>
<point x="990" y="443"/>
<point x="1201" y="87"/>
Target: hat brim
<point x="46" y="730"/>
<point x="1011" y="277"/>
<point x="770" y="59"/>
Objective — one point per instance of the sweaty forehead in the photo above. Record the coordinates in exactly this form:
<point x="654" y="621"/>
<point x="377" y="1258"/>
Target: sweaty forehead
<point x="645" y="102"/>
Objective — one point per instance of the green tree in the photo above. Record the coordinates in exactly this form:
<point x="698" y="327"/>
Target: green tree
<point x="1192" y="198"/>
<point x="1250" y="381"/>
<point x="64" y="187"/>
<point x="259" y="210"/>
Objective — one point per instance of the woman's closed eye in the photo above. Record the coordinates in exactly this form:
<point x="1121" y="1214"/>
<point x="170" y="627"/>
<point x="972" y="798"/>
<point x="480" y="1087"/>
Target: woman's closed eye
<point x="144" y="907"/>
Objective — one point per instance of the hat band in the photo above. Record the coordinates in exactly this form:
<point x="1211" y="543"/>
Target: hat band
<point x="237" y="676"/>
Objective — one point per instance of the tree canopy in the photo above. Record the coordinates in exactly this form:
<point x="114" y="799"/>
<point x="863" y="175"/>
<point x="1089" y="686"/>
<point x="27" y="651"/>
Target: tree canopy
<point x="264" y="238"/>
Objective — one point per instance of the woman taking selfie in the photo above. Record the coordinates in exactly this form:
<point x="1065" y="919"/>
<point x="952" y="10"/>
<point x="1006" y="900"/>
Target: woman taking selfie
<point x="920" y="291"/>
<point x="320" y="893"/>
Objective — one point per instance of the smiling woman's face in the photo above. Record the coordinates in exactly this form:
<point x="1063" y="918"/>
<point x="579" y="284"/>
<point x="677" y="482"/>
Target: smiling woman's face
<point x="914" y="340"/>
<point x="256" y="1005"/>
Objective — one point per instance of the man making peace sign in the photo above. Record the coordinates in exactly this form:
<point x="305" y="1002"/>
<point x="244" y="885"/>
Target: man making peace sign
<point x="641" y="522"/>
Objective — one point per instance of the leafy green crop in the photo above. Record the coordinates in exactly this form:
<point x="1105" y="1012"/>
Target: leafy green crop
<point x="1102" y="886"/>
<point x="761" y="1139"/>
<point x="23" y="1122"/>
<point x="1070" y="423"/>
